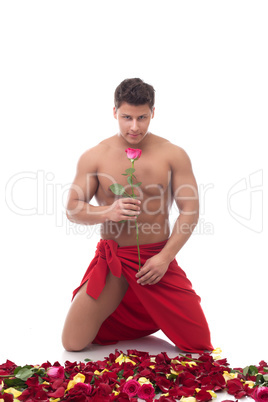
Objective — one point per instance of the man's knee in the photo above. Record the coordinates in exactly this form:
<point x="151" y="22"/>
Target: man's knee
<point x="74" y="344"/>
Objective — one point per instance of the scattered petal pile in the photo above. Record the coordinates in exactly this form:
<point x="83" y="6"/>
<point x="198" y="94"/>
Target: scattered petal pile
<point x="132" y="376"/>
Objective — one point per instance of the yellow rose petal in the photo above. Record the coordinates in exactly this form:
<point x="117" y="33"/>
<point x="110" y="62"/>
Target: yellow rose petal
<point x="174" y="372"/>
<point x="191" y="363"/>
<point x="217" y="357"/>
<point x="78" y="378"/>
<point x="124" y="359"/>
<point x="229" y="376"/>
<point x="144" y="380"/>
<point x="96" y="372"/>
<point x="250" y="383"/>
<point x="217" y="351"/>
<point x="212" y="393"/>
<point x="188" y="399"/>
<point x="13" y="391"/>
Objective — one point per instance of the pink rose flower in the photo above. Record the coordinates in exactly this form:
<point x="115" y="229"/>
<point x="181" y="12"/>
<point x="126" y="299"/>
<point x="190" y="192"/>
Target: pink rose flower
<point x="133" y="154"/>
<point x="131" y="387"/>
<point x="56" y="372"/>
<point x="260" y="394"/>
<point x="146" y="392"/>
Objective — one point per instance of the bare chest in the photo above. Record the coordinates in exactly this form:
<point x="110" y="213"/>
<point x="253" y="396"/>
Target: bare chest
<point x="152" y="170"/>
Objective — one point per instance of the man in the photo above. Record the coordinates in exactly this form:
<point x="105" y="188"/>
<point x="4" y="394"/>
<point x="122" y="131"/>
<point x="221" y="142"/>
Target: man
<point x="117" y="301"/>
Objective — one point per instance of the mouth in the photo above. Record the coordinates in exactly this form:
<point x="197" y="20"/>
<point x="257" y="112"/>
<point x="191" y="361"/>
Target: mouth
<point x="133" y="135"/>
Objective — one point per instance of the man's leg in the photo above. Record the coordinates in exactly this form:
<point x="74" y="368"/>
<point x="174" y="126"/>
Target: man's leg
<point x="87" y="314"/>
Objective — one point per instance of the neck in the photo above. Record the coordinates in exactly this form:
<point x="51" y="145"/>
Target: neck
<point x="141" y="145"/>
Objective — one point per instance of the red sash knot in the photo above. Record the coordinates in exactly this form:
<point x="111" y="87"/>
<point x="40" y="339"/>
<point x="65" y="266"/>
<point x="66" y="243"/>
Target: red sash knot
<point x="105" y="259"/>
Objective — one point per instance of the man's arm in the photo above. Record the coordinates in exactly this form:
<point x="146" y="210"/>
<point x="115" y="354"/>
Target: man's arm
<point x="85" y="186"/>
<point x="83" y="189"/>
<point x="185" y="194"/>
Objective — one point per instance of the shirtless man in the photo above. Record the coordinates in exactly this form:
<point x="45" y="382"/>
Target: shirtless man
<point x="166" y="174"/>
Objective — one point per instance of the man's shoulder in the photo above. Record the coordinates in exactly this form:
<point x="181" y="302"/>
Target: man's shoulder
<point x="96" y="150"/>
<point x="177" y="157"/>
<point x="164" y="141"/>
<point x="89" y="160"/>
<point x="171" y="148"/>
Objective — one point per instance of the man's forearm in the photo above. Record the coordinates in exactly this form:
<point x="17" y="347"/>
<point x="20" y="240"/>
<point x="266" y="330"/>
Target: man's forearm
<point x="83" y="213"/>
<point x="183" y="228"/>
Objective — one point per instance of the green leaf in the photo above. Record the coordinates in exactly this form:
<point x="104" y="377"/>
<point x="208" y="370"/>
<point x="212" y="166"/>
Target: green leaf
<point x="259" y="379"/>
<point x="120" y="374"/>
<point x="172" y="377"/>
<point x="265" y="377"/>
<point x="124" y="174"/>
<point x="117" y="189"/>
<point x="253" y="370"/>
<point x="87" y="360"/>
<point x="250" y="370"/>
<point x="24" y="374"/>
<point x="15" y="382"/>
<point x="137" y="184"/>
<point x="129" y="180"/>
<point x="130" y="171"/>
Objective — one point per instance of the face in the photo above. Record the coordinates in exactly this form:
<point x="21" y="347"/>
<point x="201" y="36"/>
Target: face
<point x="133" y="121"/>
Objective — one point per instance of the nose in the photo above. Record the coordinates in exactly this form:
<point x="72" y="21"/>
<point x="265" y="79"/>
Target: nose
<point x="134" y="125"/>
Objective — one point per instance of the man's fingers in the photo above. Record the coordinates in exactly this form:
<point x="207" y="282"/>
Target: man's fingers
<point x="150" y="281"/>
<point x="157" y="279"/>
<point x="132" y="207"/>
<point x="129" y="212"/>
<point x="146" y="277"/>
<point x="142" y="272"/>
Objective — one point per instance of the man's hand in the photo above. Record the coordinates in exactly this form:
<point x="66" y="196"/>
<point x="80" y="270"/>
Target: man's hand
<point x="153" y="270"/>
<point x="124" y="209"/>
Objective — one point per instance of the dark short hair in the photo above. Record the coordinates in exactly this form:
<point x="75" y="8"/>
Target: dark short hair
<point x="135" y="92"/>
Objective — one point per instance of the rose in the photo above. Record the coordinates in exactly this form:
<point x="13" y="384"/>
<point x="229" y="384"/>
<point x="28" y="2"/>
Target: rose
<point x="56" y="372"/>
<point x="118" y="189"/>
<point x="133" y="154"/>
<point x="260" y="394"/>
<point x="146" y="391"/>
<point x="131" y="387"/>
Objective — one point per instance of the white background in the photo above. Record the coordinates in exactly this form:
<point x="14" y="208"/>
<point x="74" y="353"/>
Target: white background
<point x="60" y="64"/>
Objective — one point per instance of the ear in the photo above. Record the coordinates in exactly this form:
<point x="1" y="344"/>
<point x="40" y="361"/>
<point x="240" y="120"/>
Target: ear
<point x="153" y="113"/>
<point x="115" y="112"/>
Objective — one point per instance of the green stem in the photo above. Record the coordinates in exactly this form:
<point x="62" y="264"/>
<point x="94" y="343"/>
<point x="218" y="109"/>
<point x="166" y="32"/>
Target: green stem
<point x="189" y="358"/>
<point x="133" y="195"/>
<point x="137" y="231"/>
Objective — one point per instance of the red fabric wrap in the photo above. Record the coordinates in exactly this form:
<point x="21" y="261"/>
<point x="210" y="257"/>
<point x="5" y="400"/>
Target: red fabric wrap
<point x="170" y="305"/>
